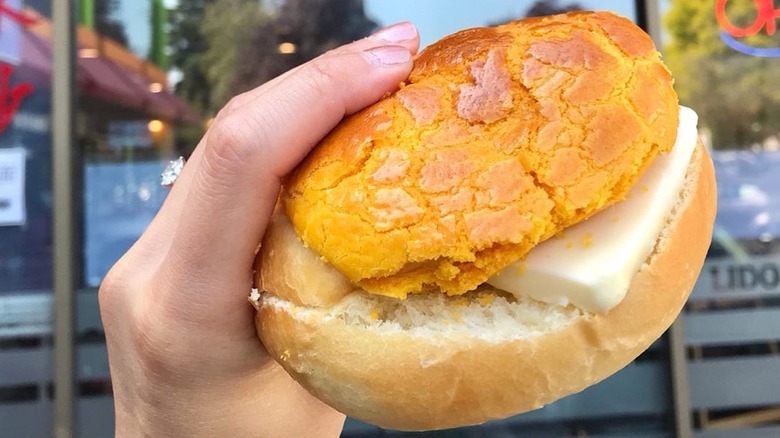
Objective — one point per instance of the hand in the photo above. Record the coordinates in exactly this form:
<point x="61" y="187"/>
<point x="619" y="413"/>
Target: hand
<point x="184" y="356"/>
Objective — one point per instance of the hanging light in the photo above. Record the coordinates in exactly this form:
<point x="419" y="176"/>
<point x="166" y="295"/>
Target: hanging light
<point x="287" y="48"/>
<point x="88" y="53"/>
<point x="155" y="126"/>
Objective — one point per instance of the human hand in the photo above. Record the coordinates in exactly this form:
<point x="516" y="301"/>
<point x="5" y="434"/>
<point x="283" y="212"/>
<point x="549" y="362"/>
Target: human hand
<point x="184" y="356"/>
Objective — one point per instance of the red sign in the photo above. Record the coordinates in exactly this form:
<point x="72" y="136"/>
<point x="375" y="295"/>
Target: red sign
<point x="10" y="96"/>
<point x="766" y="16"/>
<point x="15" y="15"/>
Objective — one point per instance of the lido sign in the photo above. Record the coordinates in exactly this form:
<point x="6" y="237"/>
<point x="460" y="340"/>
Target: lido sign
<point x="766" y="16"/>
<point x="757" y="276"/>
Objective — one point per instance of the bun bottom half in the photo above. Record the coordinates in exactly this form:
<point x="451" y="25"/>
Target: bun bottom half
<point x="434" y="362"/>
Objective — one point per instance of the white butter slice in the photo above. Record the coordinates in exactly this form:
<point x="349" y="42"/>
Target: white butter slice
<point x="592" y="264"/>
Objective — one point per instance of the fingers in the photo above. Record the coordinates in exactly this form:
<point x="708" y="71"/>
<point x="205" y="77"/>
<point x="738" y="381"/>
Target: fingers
<point x="230" y="186"/>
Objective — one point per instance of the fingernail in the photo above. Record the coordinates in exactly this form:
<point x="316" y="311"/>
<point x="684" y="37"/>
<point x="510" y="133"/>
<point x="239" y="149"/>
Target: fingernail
<point x="397" y="33"/>
<point x="388" y="55"/>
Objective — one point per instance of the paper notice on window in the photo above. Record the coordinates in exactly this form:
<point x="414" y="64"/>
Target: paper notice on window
<point x="12" y="208"/>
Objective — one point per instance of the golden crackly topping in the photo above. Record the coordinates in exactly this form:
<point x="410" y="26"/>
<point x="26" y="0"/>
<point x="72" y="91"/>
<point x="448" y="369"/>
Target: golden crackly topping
<point x="500" y="138"/>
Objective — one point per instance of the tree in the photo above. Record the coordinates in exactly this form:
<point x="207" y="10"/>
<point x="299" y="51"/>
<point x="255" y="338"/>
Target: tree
<point x="157" y="49"/>
<point x="311" y="26"/>
<point x="230" y="27"/>
<point x="225" y="47"/>
<point x="106" y="25"/>
<point x="188" y="46"/>
<point x="737" y="96"/>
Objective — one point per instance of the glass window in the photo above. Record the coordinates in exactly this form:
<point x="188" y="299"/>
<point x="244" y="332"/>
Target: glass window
<point x="151" y="74"/>
<point x="725" y="56"/>
<point x="25" y="154"/>
<point x="129" y="124"/>
<point x="25" y="219"/>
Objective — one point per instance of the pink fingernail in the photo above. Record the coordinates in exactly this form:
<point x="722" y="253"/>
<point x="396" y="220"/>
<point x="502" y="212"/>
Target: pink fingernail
<point x="388" y="55"/>
<point x="397" y="33"/>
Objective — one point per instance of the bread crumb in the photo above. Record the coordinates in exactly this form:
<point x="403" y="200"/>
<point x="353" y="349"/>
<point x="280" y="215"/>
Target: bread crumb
<point x="254" y="298"/>
<point x="587" y="240"/>
<point x="375" y="314"/>
<point x="486" y="300"/>
<point x="456" y="317"/>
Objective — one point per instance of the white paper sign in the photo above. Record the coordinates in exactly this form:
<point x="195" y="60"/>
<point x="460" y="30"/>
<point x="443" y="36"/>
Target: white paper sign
<point x="12" y="209"/>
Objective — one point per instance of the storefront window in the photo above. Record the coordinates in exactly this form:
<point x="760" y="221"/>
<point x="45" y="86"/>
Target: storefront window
<point x="25" y="219"/>
<point x="725" y="56"/>
<point x="151" y="74"/>
<point x="25" y="153"/>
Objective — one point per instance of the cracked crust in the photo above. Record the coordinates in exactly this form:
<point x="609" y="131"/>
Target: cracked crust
<point x="500" y="138"/>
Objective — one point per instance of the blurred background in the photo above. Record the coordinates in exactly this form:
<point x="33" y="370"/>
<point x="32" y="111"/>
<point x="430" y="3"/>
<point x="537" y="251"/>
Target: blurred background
<point x="148" y="76"/>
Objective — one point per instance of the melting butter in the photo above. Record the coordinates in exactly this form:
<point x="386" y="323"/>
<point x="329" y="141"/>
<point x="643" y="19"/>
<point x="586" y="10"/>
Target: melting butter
<point x="592" y="265"/>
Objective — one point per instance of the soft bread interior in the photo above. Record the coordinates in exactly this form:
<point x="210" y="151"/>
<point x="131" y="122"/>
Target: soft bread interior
<point x="434" y="361"/>
<point x="295" y="279"/>
<point x="486" y="314"/>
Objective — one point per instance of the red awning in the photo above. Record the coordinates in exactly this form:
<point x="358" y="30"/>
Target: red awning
<point x="103" y="79"/>
<point x="100" y="78"/>
<point x="35" y="64"/>
<point x="162" y="104"/>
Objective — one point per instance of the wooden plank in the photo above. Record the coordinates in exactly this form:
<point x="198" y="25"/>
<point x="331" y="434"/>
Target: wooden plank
<point x="24" y="315"/>
<point x="95" y="416"/>
<point x="92" y="362"/>
<point x="744" y="326"/>
<point x="29" y="420"/>
<point x="88" y="315"/>
<point x="760" y="432"/>
<point x="34" y="366"/>
<point x="352" y="425"/>
<point x="31" y="314"/>
<point x="735" y="382"/>
<point x="25" y="367"/>
<point x="747" y="419"/>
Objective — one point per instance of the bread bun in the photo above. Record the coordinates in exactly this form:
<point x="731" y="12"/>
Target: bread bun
<point x="336" y="258"/>
<point x="500" y="138"/>
<point x="433" y="361"/>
